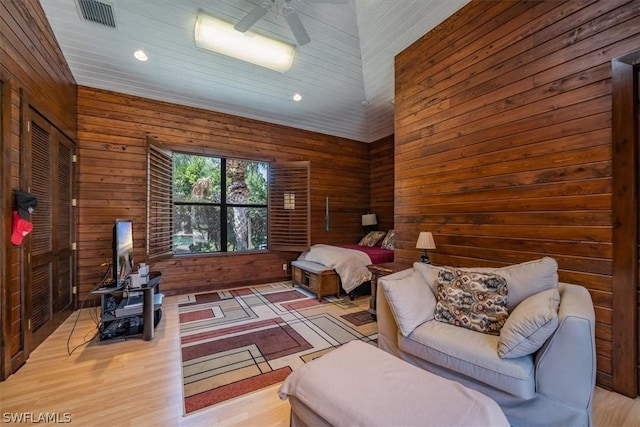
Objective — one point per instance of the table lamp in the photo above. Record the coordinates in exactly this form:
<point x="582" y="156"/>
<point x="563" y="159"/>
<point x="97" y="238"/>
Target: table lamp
<point x="369" y="220"/>
<point x="425" y="241"/>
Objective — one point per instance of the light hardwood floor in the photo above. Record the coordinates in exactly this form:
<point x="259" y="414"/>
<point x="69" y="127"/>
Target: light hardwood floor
<point x="138" y="383"/>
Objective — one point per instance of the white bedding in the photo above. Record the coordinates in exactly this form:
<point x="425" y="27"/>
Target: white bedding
<point x="351" y="265"/>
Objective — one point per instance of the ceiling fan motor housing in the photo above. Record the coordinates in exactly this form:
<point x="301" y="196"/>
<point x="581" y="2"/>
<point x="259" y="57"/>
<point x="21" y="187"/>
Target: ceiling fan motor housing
<point x="282" y="8"/>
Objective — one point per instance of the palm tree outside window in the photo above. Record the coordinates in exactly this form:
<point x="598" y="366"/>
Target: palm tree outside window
<point x="219" y="204"/>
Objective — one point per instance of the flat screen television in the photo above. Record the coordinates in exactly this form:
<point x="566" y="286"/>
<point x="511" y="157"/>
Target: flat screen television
<point x="122" y="251"/>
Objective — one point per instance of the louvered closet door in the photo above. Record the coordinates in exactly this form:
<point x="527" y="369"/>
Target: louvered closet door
<point x="40" y="281"/>
<point x="50" y="276"/>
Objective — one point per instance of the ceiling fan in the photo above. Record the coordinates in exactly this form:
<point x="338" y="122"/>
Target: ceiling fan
<point x="281" y="8"/>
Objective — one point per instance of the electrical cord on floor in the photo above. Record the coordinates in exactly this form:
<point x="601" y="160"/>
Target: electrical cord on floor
<point x="70" y="351"/>
<point x="95" y="319"/>
<point x="94" y="316"/>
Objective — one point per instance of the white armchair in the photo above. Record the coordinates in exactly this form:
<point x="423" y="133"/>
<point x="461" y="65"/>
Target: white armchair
<point x="553" y="386"/>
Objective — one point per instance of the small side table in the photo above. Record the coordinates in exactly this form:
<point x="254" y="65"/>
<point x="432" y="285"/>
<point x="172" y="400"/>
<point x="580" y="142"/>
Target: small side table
<point x="378" y="271"/>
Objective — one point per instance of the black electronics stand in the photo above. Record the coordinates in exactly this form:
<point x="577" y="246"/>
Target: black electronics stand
<point x="129" y="315"/>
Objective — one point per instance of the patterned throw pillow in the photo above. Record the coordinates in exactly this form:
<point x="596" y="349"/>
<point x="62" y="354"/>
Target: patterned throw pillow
<point x="473" y="300"/>
<point x="371" y="238"/>
<point x="389" y="240"/>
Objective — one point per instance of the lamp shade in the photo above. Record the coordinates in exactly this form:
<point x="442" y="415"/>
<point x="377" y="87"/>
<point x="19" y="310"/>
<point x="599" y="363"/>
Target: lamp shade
<point x="425" y="241"/>
<point x="369" y="219"/>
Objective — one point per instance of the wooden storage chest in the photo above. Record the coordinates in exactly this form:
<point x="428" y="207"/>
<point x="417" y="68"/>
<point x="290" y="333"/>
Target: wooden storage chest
<point x="315" y="278"/>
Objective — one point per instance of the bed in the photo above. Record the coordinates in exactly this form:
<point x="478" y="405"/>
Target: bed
<point x="377" y="254"/>
<point x="350" y="261"/>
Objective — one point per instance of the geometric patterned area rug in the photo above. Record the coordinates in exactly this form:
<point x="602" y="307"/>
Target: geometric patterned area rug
<point x="238" y="341"/>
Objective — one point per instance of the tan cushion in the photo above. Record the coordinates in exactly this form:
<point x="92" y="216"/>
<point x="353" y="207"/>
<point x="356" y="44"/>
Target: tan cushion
<point x="410" y="300"/>
<point x="371" y="238"/>
<point x="472" y="300"/>
<point x="529" y="326"/>
<point x="389" y="240"/>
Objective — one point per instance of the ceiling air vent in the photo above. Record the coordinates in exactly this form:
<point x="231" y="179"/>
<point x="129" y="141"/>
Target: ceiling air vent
<point x="97" y="11"/>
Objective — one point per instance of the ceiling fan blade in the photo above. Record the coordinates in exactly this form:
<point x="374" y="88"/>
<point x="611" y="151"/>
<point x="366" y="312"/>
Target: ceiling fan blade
<point x="297" y="28"/>
<point x="253" y="17"/>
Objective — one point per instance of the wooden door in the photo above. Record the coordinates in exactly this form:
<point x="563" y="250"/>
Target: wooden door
<point x="49" y="271"/>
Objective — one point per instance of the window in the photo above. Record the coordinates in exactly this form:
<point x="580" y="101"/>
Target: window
<point x="219" y="204"/>
<point x="205" y="204"/>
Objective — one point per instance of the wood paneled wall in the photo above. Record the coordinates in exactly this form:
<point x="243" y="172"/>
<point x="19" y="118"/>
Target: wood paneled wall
<point x="112" y="130"/>
<point x="32" y="63"/>
<point x="381" y="181"/>
<point x="503" y="140"/>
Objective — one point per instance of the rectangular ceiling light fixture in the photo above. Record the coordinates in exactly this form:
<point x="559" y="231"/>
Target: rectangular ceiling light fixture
<point x="219" y="36"/>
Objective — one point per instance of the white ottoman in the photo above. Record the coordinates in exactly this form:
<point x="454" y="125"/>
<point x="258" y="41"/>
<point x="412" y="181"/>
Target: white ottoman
<point x="359" y="385"/>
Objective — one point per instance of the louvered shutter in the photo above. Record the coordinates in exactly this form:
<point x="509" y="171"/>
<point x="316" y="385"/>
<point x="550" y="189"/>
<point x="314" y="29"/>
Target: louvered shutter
<point x="289" y="206"/>
<point x="159" y="201"/>
<point x="41" y="237"/>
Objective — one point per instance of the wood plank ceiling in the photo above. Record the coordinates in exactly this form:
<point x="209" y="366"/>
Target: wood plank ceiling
<point x="349" y="60"/>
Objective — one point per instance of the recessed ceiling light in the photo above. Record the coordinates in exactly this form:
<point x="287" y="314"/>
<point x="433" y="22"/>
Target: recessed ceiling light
<point x="297" y="97"/>
<point x="140" y="55"/>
